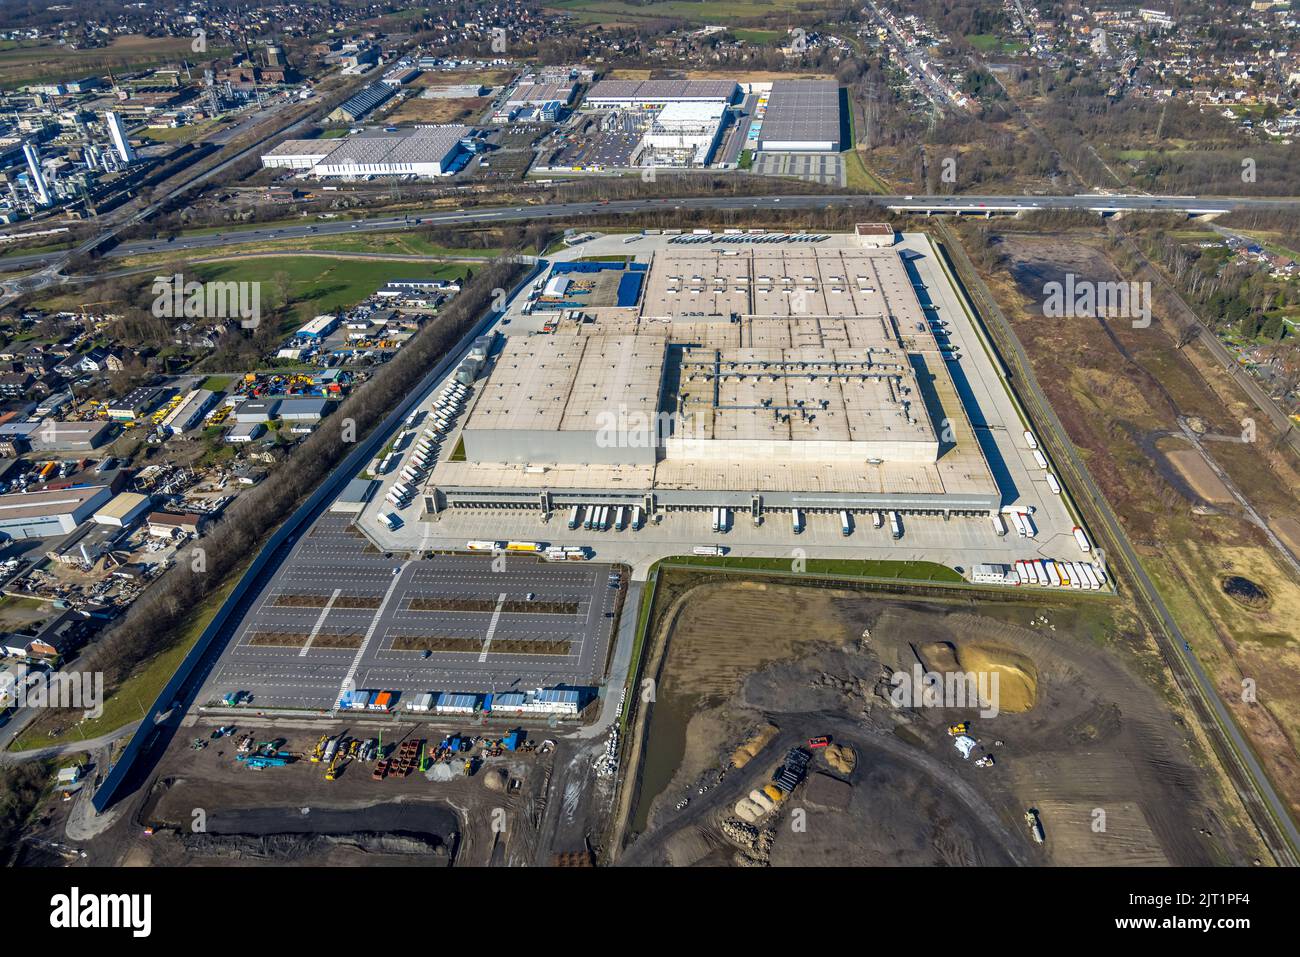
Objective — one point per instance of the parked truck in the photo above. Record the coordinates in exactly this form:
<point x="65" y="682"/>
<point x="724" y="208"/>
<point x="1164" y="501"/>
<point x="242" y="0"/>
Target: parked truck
<point x="797" y="521"/>
<point x="1081" y="537"/>
<point x="895" y="526"/>
<point x="846" y="523"/>
<point x="574" y="517"/>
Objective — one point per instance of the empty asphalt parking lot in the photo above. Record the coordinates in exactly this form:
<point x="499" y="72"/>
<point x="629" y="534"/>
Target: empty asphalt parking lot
<point x="341" y="614"/>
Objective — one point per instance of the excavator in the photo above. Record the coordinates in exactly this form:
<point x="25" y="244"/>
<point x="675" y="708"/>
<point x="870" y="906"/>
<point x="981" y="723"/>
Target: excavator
<point x="320" y="749"/>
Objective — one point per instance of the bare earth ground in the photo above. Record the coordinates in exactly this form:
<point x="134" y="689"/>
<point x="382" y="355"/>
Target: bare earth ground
<point x="258" y="817"/>
<point x="1100" y="743"/>
<point x="418" y="110"/>
<point x="1121" y="392"/>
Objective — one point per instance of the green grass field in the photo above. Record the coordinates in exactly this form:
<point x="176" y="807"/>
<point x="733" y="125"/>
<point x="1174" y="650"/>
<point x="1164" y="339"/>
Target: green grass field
<point x="757" y="37"/>
<point x="46" y="62"/>
<point x="317" y="284"/>
<point x="708" y="11"/>
<point x="850" y="568"/>
<point x="989" y="43"/>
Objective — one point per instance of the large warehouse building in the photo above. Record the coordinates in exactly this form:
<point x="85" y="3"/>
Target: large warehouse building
<point x="656" y="94"/>
<point x="52" y="512"/>
<point x="683" y="134"/>
<point x="749" y="377"/>
<point x="426" y="151"/>
<point x="803" y="116"/>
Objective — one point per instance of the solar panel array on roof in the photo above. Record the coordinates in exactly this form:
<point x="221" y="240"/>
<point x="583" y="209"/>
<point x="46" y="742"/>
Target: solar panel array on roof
<point x="361" y="103"/>
<point x="801" y="115"/>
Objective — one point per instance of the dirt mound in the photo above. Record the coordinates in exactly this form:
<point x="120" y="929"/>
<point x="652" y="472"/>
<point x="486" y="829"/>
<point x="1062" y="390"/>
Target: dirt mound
<point x="841" y="758"/>
<point x="939" y="656"/>
<point x="496" y="779"/>
<point x="745" y="753"/>
<point x="1017" y="676"/>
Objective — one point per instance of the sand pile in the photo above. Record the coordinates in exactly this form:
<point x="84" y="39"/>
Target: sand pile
<point x="841" y="758"/>
<point x="745" y="753"/>
<point x="1017" y="676"/>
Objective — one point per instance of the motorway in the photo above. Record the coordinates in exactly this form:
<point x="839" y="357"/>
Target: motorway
<point x="921" y="204"/>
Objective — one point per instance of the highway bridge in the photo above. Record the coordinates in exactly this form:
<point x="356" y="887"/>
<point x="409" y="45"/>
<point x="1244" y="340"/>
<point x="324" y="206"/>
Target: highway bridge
<point x="1104" y="204"/>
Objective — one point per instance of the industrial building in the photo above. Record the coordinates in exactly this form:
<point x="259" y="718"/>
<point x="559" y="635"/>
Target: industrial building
<point x="124" y="510"/>
<point x="51" y="436"/>
<point x="256" y="410"/>
<point x="683" y="134"/>
<point x="802" y="116"/>
<point x="362" y="102"/>
<point x="298" y="154"/>
<point x="117" y="133"/>
<point x="190" y="412"/>
<point x="747" y="376"/>
<point x="245" y="432"/>
<point x="537" y="94"/>
<point x="304" y="409"/>
<point x="136" y="403"/>
<point x="425" y="151"/>
<point x="352" y="500"/>
<point x="656" y="94"/>
<point x="50" y="512"/>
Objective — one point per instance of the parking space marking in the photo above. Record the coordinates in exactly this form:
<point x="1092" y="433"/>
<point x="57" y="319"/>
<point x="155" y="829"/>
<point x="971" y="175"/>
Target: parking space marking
<point x="319" y="622"/>
<point x="492" y="627"/>
<point x="370" y="633"/>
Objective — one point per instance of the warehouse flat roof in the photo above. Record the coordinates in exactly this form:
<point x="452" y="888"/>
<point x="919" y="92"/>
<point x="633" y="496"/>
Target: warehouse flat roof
<point x="122" y="505"/>
<point x="542" y="92"/>
<point x="47" y="502"/>
<point x="304" y="148"/>
<point x="803" y="395"/>
<point x="425" y="144"/>
<point x="688" y="114"/>
<point x="648" y="90"/>
<point x="802" y="111"/>
<point x="795" y="282"/>
<point x="553" y="383"/>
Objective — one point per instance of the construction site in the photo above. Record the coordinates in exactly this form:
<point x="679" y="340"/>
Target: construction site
<point x="804" y="749"/>
<point x="285" y="792"/>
